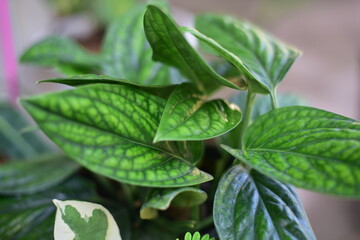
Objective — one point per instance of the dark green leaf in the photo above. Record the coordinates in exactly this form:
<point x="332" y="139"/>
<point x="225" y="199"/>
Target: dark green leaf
<point x="32" y="217"/>
<point x="307" y="147"/>
<point x="110" y="130"/>
<point x="14" y="144"/>
<point x="35" y="175"/>
<point x="262" y="59"/>
<point x="188" y="116"/>
<point x="162" y="198"/>
<point x="161" y="91"/>
<point x="249" y="205"/>
<point x="126" y="53"/>
<point x="64" y="54"/>
<point x="170" y="46"/>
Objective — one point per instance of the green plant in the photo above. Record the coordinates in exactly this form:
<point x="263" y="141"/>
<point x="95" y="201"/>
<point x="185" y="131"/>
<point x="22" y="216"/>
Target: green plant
<point x="143" y="125"/>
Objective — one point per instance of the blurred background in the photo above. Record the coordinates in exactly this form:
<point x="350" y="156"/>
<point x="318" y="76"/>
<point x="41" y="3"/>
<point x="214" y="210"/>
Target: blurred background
<point x="327" y="75"/>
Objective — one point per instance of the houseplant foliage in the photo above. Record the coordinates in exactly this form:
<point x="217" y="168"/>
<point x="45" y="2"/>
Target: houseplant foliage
<point x="141" y="110"/>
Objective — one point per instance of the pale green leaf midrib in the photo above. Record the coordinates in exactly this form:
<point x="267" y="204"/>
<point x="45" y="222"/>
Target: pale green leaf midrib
<point x="106" y="132"/>
<point x="310" y="133"/>
<point x="353" y="164"/>
<point x="280" y="124"/>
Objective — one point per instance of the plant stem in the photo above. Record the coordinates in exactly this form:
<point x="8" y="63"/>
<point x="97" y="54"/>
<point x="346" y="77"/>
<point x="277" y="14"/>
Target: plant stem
<point x="247" y="117"/>
<point x="274" y="103"/>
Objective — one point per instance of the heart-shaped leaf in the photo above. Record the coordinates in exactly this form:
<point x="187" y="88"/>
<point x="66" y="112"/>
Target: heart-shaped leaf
<point x="35" y="175"/>
<point x="170" y="46"/>
<point x="127" y="54"/>
<point x="162" y="198"/>
<point x="307" y="147"/>
<point x="249" y="205"/>
<point x="188" y="116"/>
<point x="261" y="58"/>
<point x="78" y="220"/>
<point x="110" y="130"/>
<point x="62" y="53"/>
<point x="31" y="217"/>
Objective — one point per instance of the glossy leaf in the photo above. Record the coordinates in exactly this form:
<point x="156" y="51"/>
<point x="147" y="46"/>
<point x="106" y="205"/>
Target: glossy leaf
<point x="75" y="81"/>
<point x="127" y="54"/>
<point x="62" y="53"/>
<point x="31" y="217"/>
<point x="162" y="198"/>
<point x="307" y="147"/>
<point x="188" y="116"/>
<point x="170" y="46"/>
<point x="249" y="205"/>
<point x="110" y="129"/>
<point x="35" y="175"/>
<point x="78" y="220"/>
<point x="261" y="58"/>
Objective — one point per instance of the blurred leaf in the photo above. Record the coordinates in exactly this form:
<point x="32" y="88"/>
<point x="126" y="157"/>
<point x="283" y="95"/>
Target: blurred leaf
<point x="126" y="53"/>
<point x="62" y="53"/>
<point x="31" y="217"/>
<point x="35" y="175"/>
<point x="162" y="198"/>
<point x="13" y="143"/>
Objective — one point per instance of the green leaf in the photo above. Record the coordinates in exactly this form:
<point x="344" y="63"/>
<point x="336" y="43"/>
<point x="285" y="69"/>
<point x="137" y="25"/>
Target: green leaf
<point x="127" y="54"/>
<point x="35" y="175"/>
<point x="188" y="116"/>
<point x="110" y="130"/>
<point x="196" y="236"/>
<point x="170" y="46"/>
<point x="75" y="81"/>
<point x="261" y="58"/>
<point x="14" y="143"/>
<point x="162" y="198"/>
<point x="64" y="54"/>
<point x="307" y="147"/>
<point x="31" y="217"/>
<point x="84" y="221"/>
<point x="249" y="205"/>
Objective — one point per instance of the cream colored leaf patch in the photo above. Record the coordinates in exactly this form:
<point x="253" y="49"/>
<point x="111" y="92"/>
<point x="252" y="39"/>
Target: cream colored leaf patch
<point x="77" y="220"/>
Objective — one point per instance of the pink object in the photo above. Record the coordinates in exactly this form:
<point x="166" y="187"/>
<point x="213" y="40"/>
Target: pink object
<point x="9" y="59"/>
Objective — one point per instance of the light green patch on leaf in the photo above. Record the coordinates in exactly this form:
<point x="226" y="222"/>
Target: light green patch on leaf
<point x="249" y="205"/>
<point x="76" y="220"/>
<point x="170" y="47"/>
<point x="109" y="129"/>
<point x="306" y="147"/>
<point x="188" y="116"/>
<point x="260" y="58"/>
<point x="35" y="175"/>
<point x="126" y="53"/>
<point x="162" y="198"/>
<point x="62" y="53"/>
